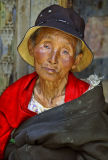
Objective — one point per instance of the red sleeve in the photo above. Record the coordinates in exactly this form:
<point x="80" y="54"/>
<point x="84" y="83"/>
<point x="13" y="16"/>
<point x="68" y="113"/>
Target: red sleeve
<point x="5" y="131"/>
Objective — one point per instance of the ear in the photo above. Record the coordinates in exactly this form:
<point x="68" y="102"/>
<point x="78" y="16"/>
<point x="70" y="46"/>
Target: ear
<point x="30" y="48"/>
<point x="77" y="60"/>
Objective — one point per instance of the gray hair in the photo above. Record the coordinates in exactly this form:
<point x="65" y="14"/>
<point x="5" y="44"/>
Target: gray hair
<point x="33" y="37"/>
<point x="78" y="47"/>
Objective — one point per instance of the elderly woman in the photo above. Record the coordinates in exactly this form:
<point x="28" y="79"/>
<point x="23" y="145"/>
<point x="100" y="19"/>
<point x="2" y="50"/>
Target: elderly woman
<point x="73" y="121"/>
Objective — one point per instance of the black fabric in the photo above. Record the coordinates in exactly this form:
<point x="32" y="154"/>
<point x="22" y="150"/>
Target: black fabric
<point x="77" y="130"/>
<point x="65" y="19"/>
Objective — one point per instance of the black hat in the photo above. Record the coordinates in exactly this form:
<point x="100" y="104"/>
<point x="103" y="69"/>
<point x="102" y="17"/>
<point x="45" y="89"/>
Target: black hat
<point x="64" y="19"/>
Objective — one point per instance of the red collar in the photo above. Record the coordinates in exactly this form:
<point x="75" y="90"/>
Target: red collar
<point x="14" y="101"/>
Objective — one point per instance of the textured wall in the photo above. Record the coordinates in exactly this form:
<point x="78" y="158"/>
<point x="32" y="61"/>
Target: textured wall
<point x="7" y="32"/>
<point x="95" y="14"/>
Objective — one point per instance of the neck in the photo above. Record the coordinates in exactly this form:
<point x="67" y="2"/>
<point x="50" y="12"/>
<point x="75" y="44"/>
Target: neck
<point x="50" y="90"/>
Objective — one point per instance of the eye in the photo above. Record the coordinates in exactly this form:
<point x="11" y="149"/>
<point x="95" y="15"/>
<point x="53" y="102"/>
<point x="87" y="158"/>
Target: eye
<point x="65" y="52"/>
<point x="47" y="46"/>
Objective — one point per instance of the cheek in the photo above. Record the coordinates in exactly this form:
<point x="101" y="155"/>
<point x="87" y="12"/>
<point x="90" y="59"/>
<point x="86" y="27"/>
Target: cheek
<point x="39" y="55"/>
<point x="67" y="63"/>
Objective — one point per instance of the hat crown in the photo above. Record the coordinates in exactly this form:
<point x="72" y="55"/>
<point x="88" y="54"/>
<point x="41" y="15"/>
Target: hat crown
<point x="62" y="15"/>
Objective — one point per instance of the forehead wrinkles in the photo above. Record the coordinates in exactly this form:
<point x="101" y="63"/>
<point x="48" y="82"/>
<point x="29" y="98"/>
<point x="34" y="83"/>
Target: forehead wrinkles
<point x="52" y="34"/>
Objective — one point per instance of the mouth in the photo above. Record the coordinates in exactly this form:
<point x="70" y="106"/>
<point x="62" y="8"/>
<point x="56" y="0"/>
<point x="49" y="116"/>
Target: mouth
<point x="50" y="70"/>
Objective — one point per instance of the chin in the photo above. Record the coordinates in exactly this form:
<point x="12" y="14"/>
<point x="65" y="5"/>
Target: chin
<point x="48" y="77"/>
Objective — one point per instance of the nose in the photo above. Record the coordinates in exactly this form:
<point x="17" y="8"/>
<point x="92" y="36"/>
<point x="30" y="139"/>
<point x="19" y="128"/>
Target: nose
<point x="53" y="57"/>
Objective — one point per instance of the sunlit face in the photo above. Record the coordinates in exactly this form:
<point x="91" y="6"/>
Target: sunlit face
<point x="54" y="54"/>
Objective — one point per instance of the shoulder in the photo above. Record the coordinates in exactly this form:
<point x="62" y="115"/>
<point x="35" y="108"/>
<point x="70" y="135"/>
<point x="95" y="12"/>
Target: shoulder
<point x="15" y="96"/>
<point x="75" y="88"/>
<point x="77" y="83"/>
<point x="16" y="90"/>
<point x="20" y="83"/>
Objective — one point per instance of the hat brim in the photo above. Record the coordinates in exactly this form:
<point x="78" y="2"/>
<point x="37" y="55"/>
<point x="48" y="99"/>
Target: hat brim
<point x="86" y="59"/>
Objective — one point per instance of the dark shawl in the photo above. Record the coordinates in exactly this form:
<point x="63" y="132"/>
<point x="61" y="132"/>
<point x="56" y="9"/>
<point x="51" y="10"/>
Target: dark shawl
<point x="77" y="130"/>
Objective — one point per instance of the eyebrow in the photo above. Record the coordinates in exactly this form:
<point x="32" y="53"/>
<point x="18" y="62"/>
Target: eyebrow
<point x="67" y="44"/>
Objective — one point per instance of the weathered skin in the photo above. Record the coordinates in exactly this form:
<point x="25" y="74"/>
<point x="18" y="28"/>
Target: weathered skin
<point x="54" y="56"/>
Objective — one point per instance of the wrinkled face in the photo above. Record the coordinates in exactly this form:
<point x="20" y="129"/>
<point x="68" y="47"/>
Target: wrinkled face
<point x="54" y="54"/>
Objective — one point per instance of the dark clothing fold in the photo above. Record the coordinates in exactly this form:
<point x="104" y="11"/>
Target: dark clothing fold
<point x="76" y="130"/>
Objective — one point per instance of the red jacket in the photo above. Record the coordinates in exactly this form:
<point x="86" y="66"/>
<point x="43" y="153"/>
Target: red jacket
<point x="14" y="103"/>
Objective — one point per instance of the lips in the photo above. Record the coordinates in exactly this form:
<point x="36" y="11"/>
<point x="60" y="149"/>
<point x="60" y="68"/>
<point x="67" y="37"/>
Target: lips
<point x="50" y="70"/>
